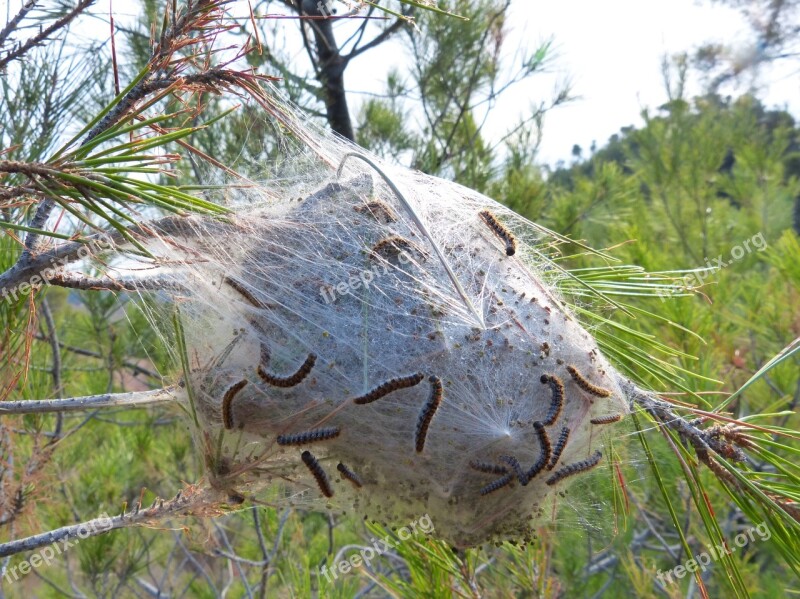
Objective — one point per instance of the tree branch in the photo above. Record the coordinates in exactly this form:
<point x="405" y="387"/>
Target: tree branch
<point x="45" y="33"/>
<point x="192" y="501"/>
<point x="132" y="399"/>
<point x="378" y="40"/>
<point x="12" y="24"/>
<point x="331" y="66"/>
<point x="55" y="348"/>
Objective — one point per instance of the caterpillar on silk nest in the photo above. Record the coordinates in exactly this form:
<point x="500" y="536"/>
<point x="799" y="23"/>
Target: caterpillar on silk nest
<point x="417" y="373"/>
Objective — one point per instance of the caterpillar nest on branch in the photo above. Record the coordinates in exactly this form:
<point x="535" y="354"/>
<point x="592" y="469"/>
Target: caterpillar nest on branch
<point x="381" y="341"/>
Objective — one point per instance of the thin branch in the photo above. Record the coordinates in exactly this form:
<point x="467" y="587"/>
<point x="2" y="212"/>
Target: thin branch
<point x="186" y="503"/>
<point x="378" y="40"/>
<point x="45" y="33"/>
<point x="76" y="280"/>
<point x="12" y="24"/>
<point x="132" y="399"/>
<point x="22" y="273"/>
<point x="52" y="337"/>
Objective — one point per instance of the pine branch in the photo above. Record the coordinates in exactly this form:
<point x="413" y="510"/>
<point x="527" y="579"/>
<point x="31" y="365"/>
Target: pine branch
<point x="11" y="26"/>
<point x="37" y="39"/>
<point x="194" y="500"/>
<point x="132" y="399"/>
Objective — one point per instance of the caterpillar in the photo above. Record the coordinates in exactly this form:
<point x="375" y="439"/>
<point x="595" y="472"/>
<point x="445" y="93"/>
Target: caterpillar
<point x="383" y="389"/>
<point x="582" y="466"/>
<point x="499" y="230"/>
<point x="382" y="212"/>
<point x="227" y="400"/>
<point x="350" y="475"/>
<point x="488" y="468"/>
<point x="322" y="479"/>
<point x="498" y="484"/>
<point x="544" y="457"/>
<point x="394" y="244"/>
<point x="428" y="410"/>
<point x="245" y="292"/>
<point x="291" y="380"/>
<point x="586" y="385"/>
<point x="514" y="463"/>
<point x="312" y="436"/>
<point x="264" y="353"/>
<point x="560" y="445"/>
<point x="544" y="442"/>
<point x="607" y="419"/>
<point x="557" y="402"/>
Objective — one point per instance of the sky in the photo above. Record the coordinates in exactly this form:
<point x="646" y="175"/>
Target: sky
<point x="611" y="52"/>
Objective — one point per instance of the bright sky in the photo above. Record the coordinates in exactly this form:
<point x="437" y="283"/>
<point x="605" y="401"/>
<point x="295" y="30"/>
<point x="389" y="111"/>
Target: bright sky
<point x="611" y="52"/>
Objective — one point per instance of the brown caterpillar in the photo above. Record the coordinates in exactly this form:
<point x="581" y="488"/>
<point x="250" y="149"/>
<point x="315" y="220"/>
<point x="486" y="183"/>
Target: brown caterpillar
<point x="544" y="457"/>
<point x="557" y="402"/>
<point x="607" y="419"/>
<point x="383" y="389"/>
<point x="515" y="465"/>
<point x="544" y="442"/>
<point x="244" y="292"/>
<point x="382" y="212"/>
<point x="586" y="385"/>
<point x="560" y="445"/>
<point x="394" y="244"/>
<point x="322" y="479"/>
<point x="498" y="484"/>
<point x="291" y="380"/>
<point x="499" y="230"/>
<point x="264" y="353"/>
<point x="312" y="436"/>
<point x="428" y="410"/>
<point x="488" y="468"/>
<point x="227" y="399"/>
<point x="350" y="475"/>
<point x="582" y="466"/>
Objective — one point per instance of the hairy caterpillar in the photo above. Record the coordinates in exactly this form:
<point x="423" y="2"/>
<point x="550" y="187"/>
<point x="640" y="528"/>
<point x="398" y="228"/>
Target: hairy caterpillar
<point x="312" y="436"/>
<point x="515" y="465"/>
<point x="499" y="230"/>
<point x="607" y="419"/>
<point x="557" y="402"/>
<point x="350" y="475"/>
<point x="244" y="292"/>
<point x="291" y="380"/>
<point x="586" y="385"/>
<point x="488" y="468"/>
<point x="322" y="479"/>
<point x="571" y="469"/>
<point x="393" y="244"/>
<point x="544" y="442"/>
<point x="383" y="389"/>
<point x="559" y="447"/>
<point x="227" y="399"/>
<point x="498" y="484"/>
<point x="428" y="410"/>
<point x="382" y="212"/>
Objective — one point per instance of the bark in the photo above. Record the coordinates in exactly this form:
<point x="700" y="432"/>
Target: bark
<point x="331" y="67"/>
